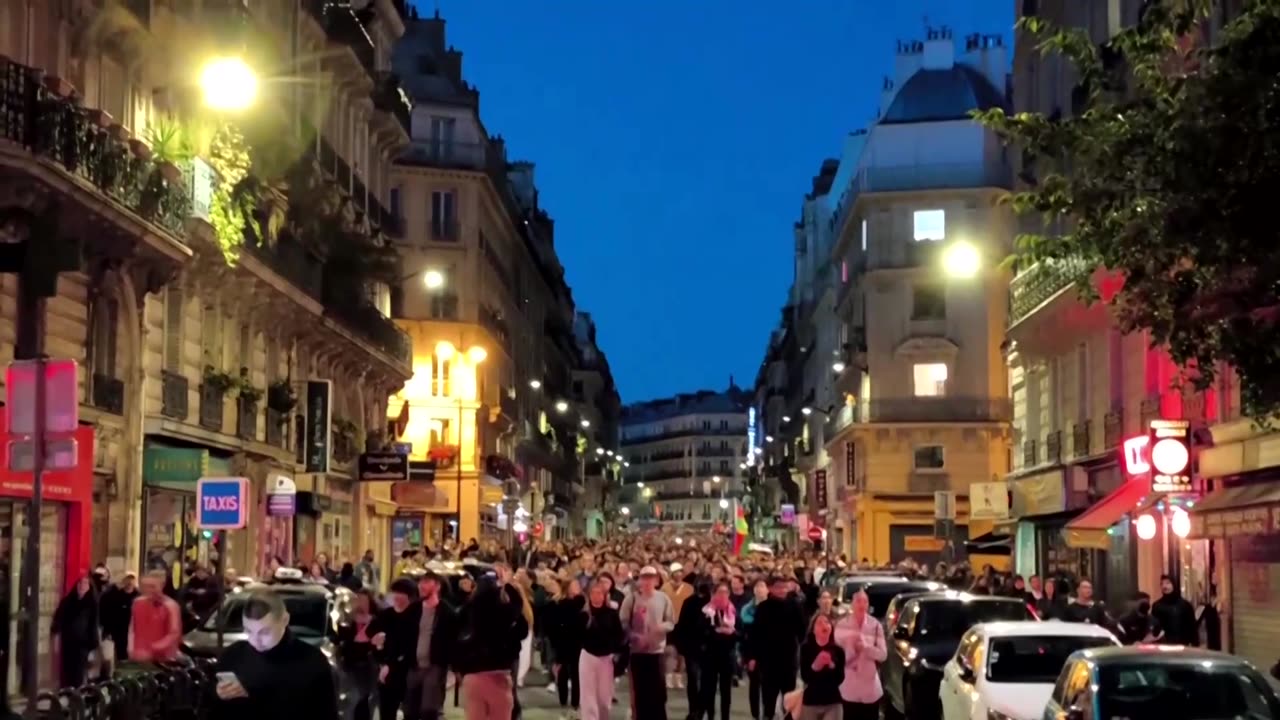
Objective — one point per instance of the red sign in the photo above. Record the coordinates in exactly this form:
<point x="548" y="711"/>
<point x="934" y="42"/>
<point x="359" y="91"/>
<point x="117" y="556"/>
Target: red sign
<point x="1135" y="455"/>
<point x="537" y="529"/>
<point x="815" y="533"/>
<point x="61" y="396"/>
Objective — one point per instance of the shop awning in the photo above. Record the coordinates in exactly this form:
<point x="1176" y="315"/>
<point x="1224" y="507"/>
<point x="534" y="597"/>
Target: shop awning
<point x="1089" y="530"/>
<point x="1237" y="512"/>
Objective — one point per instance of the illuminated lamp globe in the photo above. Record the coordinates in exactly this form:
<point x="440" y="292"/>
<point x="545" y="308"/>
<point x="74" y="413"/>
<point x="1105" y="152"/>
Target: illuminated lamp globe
<point x="444" y="350"/>
<point x="961" y="260"/>
<point x="433" y="279"/>
<point x="477" y="354"/>
<point x="1180" y="522"/>
<point x="1169" y="456"/>
<point x="724" y="503"/>
<point x="626" y="511"/>
<point x="1146" y="526"/>
<point x="599" y="451"/>
<point x="228" y="84"/>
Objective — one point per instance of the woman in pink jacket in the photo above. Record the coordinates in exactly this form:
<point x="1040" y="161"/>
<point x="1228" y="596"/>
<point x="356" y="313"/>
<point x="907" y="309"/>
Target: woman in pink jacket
<point x="862" y="639"/>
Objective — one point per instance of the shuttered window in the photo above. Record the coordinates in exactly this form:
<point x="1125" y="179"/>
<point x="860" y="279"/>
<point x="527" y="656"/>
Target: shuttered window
<point x="211" y="337"/>
<point x="173" y="310"/>
<point x="246" y="347"/>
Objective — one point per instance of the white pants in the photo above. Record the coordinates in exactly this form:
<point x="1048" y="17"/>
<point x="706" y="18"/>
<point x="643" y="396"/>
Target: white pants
<point x="595" y="685"/>
<point x="526" y="658"/>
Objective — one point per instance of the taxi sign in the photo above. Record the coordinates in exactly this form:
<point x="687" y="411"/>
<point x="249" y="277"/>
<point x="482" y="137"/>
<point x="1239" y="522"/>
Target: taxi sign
<point x="222" y="503"/>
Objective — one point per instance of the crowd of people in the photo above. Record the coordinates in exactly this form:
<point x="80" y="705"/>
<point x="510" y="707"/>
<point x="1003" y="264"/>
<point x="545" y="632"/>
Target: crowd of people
<point x="655" y="611"/>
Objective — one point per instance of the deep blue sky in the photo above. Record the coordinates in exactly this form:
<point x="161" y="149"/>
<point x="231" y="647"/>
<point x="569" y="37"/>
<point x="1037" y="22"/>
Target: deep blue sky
<point x="674" y="142"/>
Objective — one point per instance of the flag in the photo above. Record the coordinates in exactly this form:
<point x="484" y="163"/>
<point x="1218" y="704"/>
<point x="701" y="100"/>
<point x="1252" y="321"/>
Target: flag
<point x="740" y="532"/>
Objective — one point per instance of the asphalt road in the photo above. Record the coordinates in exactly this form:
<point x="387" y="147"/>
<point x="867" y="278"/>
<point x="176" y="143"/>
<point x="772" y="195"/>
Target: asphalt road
<point x="539" y="704"/>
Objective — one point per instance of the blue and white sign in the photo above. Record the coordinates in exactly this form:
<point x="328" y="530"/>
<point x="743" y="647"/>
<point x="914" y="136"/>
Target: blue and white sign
<point x="222" y="503"/>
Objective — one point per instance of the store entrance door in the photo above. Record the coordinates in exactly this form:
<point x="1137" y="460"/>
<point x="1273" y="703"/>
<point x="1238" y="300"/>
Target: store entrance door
<point x="53" y="559"/>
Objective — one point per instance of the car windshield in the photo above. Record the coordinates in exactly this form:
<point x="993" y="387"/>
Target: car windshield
<point x="1185" y="691"/>
<point x="1034" y="659"/>
<point x="950" y="619"/>
<point x="308" y="614"/>
<point x="880" y="593"/>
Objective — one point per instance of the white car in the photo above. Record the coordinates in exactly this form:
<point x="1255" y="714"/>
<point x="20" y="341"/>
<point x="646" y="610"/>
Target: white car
<point x="1006" y="670"/>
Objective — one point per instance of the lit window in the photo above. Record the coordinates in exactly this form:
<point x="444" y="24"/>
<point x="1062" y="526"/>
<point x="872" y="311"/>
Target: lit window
<point x="864" y="235"/>
<point x="929" y="457"/>
<point x="929" y="379"/>
<point x="929" y="225"/>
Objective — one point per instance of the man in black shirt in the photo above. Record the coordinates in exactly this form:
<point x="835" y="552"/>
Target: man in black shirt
<point x="272" y="674"/>
<point x="773" y="644"/>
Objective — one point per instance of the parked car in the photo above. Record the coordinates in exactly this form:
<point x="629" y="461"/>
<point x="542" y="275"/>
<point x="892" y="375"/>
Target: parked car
<point x="881" y="589"/>
<point x="1161" y="682"/>
<point x="926" y="636"/>
<point x="1006" y="670"/>
<point x="894" y="609"/>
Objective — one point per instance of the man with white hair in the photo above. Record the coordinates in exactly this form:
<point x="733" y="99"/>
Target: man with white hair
<point x="648" y="616"/>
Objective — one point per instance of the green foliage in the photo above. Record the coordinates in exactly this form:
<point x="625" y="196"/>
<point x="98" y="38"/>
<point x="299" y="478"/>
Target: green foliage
<point x="218" y="381"/>
<point x="281" y="397"/>
<point x="168" y="141"/>
<point x="229" y="156"/>
<point x="1164" y="173"/>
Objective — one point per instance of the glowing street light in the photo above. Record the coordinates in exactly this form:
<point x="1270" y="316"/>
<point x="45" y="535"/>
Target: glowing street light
<point x="599" y="451"/>
<point x="444" y="350"/>
<point x="609" y="453"/>
<point x="640" y="484"/>
<point x="715" y="478"/>
<point x="806" y="411"/>
<point x="477" y="354"/>
<point x="626" y="511"/>
<point x="535" y="384"/>
<point x="837" y="367"/>
<point x="585" y="423"/>
<point x="768" y="438"/>
<point x="786" y="418"/>
<point x="961" y="260"/>
<point x="562" y="407"/>
<point x="433" y="279"/>
<point x="228" y="84"/>
<point x="724" y="504"/>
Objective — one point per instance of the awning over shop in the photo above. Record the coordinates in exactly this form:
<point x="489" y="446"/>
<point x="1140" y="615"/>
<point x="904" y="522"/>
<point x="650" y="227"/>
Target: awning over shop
<point x="997" y="542"/>
<point x="1237" y="512"/>
<point x="1089" y="531"/>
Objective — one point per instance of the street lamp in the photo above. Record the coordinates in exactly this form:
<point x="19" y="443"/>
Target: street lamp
<point x="837" y="367"/>
<point x="536" y="384"/>
<point x="626" y="510"/>
<point x="228" y="84"/>
<point x="477" y="354"/>
<point x="961" y="260"/>
<point x="786" y="418"/>
<point x="433" y="279"/>
<point x="562" y="407"/>
<point x="724" y="504"/>
<point x="715" y="478"/>
<point x="640" y="484"/>
<point x="768" y="438"/>
<point x="806" y="411"/>
<point x="585" y="423"/>
<point x="599" y="451"/>
<point x="444" y="350"/>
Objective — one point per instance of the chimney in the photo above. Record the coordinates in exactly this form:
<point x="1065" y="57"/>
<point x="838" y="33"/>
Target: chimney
<point x="939" y="51"/>
<point x="451" y="66"/>
<point x="887" y="91"/>
<point x="431" y="32"/>
<point x="907" y="62"/>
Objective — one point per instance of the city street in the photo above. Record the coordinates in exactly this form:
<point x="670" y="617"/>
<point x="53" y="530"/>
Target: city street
<point x="539" y="704"/>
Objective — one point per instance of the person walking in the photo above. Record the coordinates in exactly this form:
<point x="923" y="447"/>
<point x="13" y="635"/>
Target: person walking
<point x="678" y="589"/>
<point x="719" y="645"/>
<point x="1175" y="614"/>
<point x="689" y="638"/>
<point x="395" y="635"/>
<point x="436" y="627"/>
<point x="491" y="627"/>
<point x="356" y="655"/>
<point x="861" y="638"/>
<point x="272" y="674"/>
<point x="774" y="642"/>
<point x="602" y="638"/>
<point x="648" y="616"/>
<point x="115" y="610"/>
<point x="568" y="624"/>
<point x="75" y="632"/>
<point x="822" y="667"/>
<point x="155" y="625"/>
<point x="755" y="689"/>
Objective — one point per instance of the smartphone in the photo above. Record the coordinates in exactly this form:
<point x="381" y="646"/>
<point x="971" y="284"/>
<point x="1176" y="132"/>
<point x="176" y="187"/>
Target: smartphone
<point x="227" y="677"/>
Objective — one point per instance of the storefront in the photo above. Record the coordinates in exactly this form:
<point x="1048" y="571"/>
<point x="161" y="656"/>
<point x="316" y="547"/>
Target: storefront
<point x="66" y="529"/>
<point x="1039" y="502"/>
<point x="436" y="503"/>
<point x="1242" y="521"/>
<point x="323" y="525"/>
<point x="170" y="538"/>
<point x="374" y="524"/>
<point x="1100" y="545"/>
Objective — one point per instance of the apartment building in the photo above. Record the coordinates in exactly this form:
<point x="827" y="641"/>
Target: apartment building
<point x="484" y="297"/>
<point x="264" y="352"/>
<point x="595" y="393"/>
<point x="685" y="458"/>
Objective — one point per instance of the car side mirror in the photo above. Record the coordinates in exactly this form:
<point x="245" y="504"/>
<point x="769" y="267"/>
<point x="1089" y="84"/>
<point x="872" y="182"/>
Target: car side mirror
<point x="900" y="633"/>
<point x="1074" y="713"/>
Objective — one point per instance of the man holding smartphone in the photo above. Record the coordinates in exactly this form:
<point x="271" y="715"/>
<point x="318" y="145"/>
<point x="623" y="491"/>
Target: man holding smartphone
<point x="272" y="674"/>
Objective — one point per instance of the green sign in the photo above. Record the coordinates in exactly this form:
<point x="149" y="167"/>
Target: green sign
<point x="174" y="466"/>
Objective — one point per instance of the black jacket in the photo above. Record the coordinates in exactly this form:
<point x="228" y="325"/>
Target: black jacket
<point x="775" y="634"/>
<point x="115" y="612"/>
<point x="821" y="687"/>
<point x="603" y="634"/>
<point x="717" y="646"/>
<point x="689" y="635"/>
<point x="292" y="679"/>
<point x="1135" y="626"/>
<point x="490" y="628"/>
<point x="1178" y="618"/>
<point x="568" y="622"/>
<point x="400" y="649"/>
<point x="76" y="621"/>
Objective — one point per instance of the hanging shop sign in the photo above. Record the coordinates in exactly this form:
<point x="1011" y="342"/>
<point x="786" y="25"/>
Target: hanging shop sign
<point x="1170" y="456"/>
<point x="820" y="489"/>
<point x="282" y="497"/>
<point x="989" y="501"/>
<point x="383" y="467"/>
<point x="318" y="446"/>
<point x="221" y="503"/>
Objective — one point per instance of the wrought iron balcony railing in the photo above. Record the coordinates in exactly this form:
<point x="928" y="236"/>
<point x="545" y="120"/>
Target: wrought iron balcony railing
<point x="211" y="404"/>
<point x="941" y="409"/>
<point x="389" y="97"/>
<point x="108" y="394"/>
<point x="173" y="395"/>
<point x="341" y="25"/>
<point x="1039" y="283"/>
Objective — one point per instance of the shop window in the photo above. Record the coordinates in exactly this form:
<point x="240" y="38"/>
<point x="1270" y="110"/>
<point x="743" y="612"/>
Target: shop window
<point x="929" y="379"/>
<point x="929" y="457"/>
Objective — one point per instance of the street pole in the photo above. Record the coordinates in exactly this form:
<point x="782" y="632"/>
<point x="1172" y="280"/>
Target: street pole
<point x="31" y="564"/>
<point x="222" y="585"/>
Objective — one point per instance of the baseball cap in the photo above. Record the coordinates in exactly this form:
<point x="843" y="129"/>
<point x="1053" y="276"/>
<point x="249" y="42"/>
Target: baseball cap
<point x="676" y="567"/>
<point x="648" y="570"/>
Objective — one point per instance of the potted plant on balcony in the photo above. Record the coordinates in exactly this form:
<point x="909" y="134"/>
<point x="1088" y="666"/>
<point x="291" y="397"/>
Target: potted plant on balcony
<point x="247" y="392"/>
<point x="344" y="438"/>
<point x="169" y="148"/>
<point x="218" y="381"/>
<point x="281" y="398"/>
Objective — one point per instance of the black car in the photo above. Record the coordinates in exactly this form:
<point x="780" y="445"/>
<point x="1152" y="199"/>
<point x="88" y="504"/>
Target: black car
<point x="899" y="601"/>
<point x="881" y="590"/>
<point x="925" y="637"/>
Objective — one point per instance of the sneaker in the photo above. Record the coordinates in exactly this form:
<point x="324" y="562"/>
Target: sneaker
<point x="551" y="688"/>
<point x="671" y="681"/>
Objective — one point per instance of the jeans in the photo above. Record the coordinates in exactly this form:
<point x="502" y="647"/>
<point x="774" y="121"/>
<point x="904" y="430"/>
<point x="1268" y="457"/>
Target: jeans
<point x="568" y="685"/>
<point x="861" y="711"/>
<point x="755" y="691"/>
<point x="358" y="683"/>
<point x="648" y="687"/>
<point x="716" y="674"/>
<point x="775" y="681"/>
<point x="693" y="685"/>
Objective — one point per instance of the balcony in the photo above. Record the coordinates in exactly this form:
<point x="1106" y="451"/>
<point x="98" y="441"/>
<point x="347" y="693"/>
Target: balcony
<point x="444" y="230"/>
<point x="1030" y="453"/>
<point x="449" y="155"/>
<point x="246" y="419"/>
<point x="1039" y="284"/>
<point x="665" y="455"/>
<point x="923" y="176"/>
<point x="389" y="97"/>
<point x="1053" y="447"/>
<point x="277" y="429"/>
<point x="173" y="395"/>
<point x="108" y="394"/>
<point x="342" y="26"/>
<point x="909" y="254"/>
<point x="211" y="401"/>
<point x="292" y="262"/>
<point x="384" y="219"/>
<point x="1080" y="439"/>
<point x="940" y="409"/>
<point x="1112" y="429"/>
<point x="87" y="145"/>
<point x="369" y="323"/>
<point x="716" y="452"/>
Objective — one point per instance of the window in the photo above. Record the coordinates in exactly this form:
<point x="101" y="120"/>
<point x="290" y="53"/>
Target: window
<point x="929" y="457"/>
<point x="928" y="301"/>
<point x="395" y="202"/>
<point x="444" y="224"/>
<point x="1184" y="690"/>
<point x="929" y="379"/>
<point x="929" y="225"/>
<point x="106" y="316"/>
<point x="724" y="466"/>
<point x="941" y="620"/>
<point x="706" y="424"/>
<point x="864" y="235"/>
<point x="246" y="346"/>
<point x="211" y="337"/>
<point x="1031" y="659"/>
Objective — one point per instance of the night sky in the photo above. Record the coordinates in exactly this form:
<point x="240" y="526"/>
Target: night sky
<point x="674" y="142"/>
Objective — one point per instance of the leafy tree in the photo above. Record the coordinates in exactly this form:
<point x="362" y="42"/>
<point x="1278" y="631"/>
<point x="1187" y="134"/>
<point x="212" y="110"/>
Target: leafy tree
<point x="1164" y="174"/>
